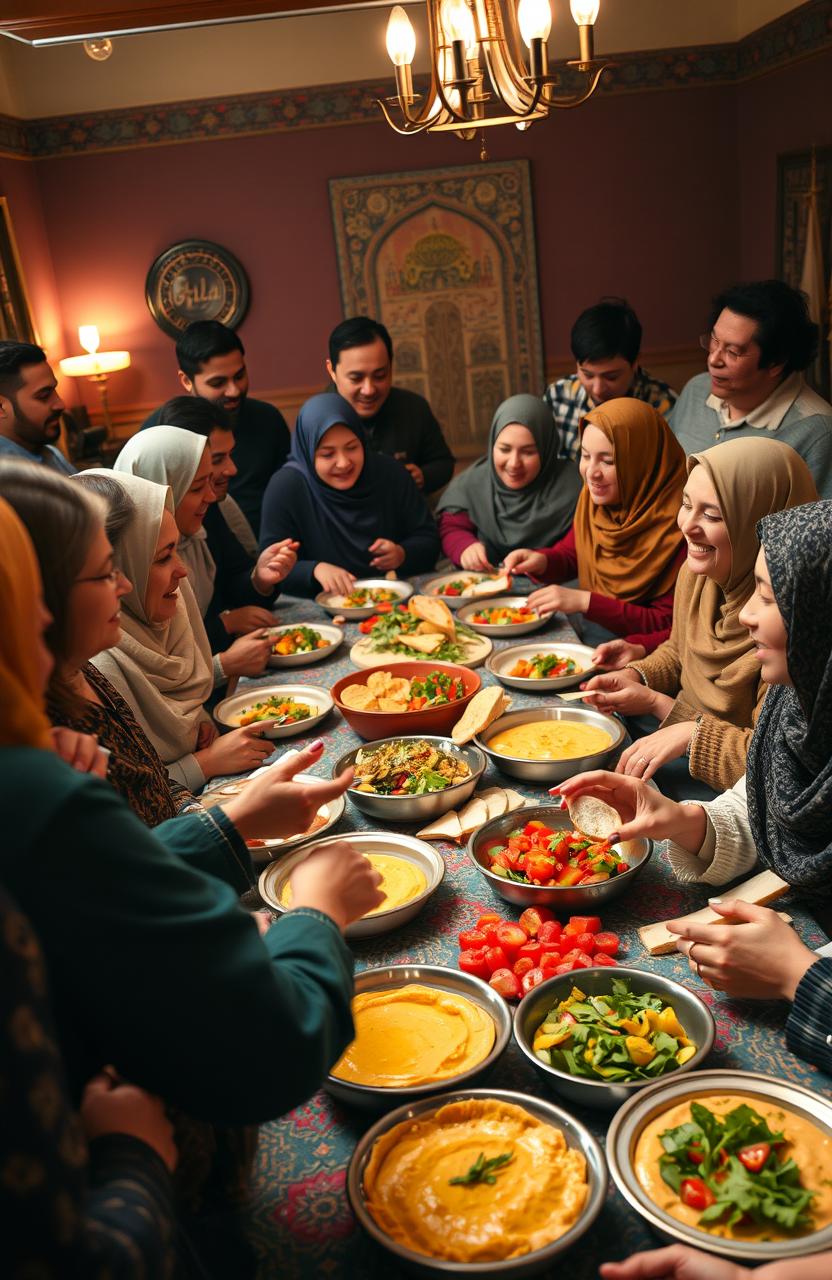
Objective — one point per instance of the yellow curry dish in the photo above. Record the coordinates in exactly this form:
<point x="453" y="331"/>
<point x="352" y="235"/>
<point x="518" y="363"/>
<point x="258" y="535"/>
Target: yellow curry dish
<point x="401" y="882"/>
<point x="480" y="1180"/>
<point x="414" y="1035"/>
<point x="550" y="740"/>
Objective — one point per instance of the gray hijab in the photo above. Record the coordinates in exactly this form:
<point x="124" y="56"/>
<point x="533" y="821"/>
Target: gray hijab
<point x="536" y="516"/>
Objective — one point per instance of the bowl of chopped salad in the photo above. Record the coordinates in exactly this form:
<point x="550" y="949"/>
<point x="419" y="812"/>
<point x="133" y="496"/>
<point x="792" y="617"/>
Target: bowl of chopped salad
<point x="456" y="588"/>
<point x="507" y="617"/>
<point x="409" y="697"/>
<point x="284" y="710"/>
<point x="411" y="779"/>
<point x="299" y="645"/>
<point x="364" y="598"/>
<point x="542" y="668"/>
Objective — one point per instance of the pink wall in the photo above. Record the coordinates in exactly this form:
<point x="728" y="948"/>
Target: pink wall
<point x="19" y="184"/>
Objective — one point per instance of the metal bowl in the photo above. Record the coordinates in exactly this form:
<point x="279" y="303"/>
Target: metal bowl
<point x="416" y="808"/>
<point x="437" y="720"/>
<point x="275" y="878"/>
<point x="329" y="599"/>
<point x="528" y="1264"/>
<point x="333" y="635"/>
<point x="627" y="1126"/>
<point x="694" y="1016"/>
<point x="435" y="586"/>
<point x="585" y="899"/>
<point x="507" y="631"/>
<point x="500" y="663"/>
<point x="331" y="811"/>
<point x="228" y="711"/>
<point x="390" y="977"/>
<point x="552" y="770"/>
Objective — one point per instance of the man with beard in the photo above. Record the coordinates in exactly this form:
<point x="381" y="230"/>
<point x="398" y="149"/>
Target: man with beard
<point x="30" y="407"/>
<point x="212" y="365"/>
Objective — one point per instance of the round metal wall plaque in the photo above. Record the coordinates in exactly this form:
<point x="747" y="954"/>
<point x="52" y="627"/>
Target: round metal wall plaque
<point x="196" y="280"/>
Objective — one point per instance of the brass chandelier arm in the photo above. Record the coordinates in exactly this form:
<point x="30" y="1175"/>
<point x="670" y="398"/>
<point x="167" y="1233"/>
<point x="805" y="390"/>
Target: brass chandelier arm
<point x="565" y="104"/>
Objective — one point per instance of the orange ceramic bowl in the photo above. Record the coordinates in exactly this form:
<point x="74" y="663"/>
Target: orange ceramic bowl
<point x="371" y="725"/>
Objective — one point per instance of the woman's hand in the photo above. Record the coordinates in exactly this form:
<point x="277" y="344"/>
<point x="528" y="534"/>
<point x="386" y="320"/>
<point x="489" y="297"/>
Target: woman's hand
<point x="646" y="755"/>
<point x="109" y="1105"/>
<point x="556" y="599"/>
<point x="248" y="655"/>
<point x="249" y="617"/>
<point x="644" y="810"/>
<point x="334" y="579"/>
<point x="475" y="557"/>
<point x="81" y="751"/>
<point x="532" y="563"/>
<point x="677" y="1262"/>
<point x="337" y="880"/>
<point x="273" y="805"/>
<point x="274" y="564"/>
<point x="615" y="654"/>
<point x="754" y="954"/>
<point x="239" y="751"/>
<point x="386" y="554"/>
<point x="620" y="691"/>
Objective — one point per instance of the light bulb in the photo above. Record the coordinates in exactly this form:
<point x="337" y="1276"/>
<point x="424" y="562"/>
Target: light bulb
<point x="535" y="20"/>
<point x="585" y="12"/>
<point x="98" y="50"/>
<point x="89" y="338"/>
<point x="401" y="38"/>
<point x="458" y="22"/>
<point x="523" y="125"/>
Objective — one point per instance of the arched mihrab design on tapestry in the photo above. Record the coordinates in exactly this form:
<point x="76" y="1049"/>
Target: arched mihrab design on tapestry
<point x="446" y="259"/>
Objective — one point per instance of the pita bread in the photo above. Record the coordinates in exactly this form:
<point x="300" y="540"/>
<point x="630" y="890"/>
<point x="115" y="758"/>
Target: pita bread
<point x="445" y="828"/>
<point x="423" y="644"/>
<point x="496" y="801"/>
<point x="358" y="697"/>
<point x="391" y="705"/>
<point x="483" y="708"/>
<point x="433" y="611"/>
<point x="593" y="818"/>
<point x="378" y="683"/>
<point x="514" y="800"/>
<point x="488" y="587"/>
<point x="472" y="815"/>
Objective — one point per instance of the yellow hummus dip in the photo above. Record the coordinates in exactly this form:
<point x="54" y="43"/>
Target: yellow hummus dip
<point x="808" y="1145"/>
<point x="414" y="1035"/>
<point x="535" y="1198"/>
<point x="401" y="881"/>
<point x="550" y="740"/>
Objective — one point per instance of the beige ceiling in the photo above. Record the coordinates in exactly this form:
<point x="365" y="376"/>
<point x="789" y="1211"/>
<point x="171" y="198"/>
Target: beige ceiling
<point x="317" y="49"/>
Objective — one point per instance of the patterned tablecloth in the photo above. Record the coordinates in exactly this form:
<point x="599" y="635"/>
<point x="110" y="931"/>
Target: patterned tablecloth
<point x="301" y="1223"/>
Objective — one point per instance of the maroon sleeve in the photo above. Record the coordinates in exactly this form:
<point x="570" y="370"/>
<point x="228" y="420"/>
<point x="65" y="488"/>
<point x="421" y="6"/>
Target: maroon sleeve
<point x="457" y="532"/>
<point x="626" y="617"/>
<point x="650" y="639"/>
<point x="561" y="559"/>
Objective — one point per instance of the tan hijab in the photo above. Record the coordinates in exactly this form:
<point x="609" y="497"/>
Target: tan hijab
<point x="629" y="551"/>
<point x="752" y="478"/>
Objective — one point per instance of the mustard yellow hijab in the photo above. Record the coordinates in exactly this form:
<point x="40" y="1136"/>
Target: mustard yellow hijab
<point x="23" y="722"/>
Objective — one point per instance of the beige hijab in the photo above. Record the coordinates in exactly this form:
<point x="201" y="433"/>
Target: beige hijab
<point x="162" y="669"/>
<point x="752" y="478"/>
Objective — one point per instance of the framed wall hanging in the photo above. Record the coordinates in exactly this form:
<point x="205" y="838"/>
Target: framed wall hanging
<point x="196" y="280"/>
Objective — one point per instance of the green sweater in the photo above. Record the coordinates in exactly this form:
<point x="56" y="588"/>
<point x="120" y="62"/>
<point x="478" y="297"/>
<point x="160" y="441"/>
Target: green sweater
<point x="155" y="967"/>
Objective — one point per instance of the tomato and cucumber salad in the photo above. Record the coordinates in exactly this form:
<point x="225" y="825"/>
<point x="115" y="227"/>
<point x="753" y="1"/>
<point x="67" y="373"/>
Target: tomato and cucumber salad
<point x="537" y="854"/>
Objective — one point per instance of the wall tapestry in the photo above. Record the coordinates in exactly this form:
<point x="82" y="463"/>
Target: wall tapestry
<point x="446" y="259"/>
<point x="794" y="177"/>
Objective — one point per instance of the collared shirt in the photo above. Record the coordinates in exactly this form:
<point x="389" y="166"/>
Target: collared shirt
<point x="50" y="457"/>
<point x="768" y="415"/>
<point x="569" y="402"/>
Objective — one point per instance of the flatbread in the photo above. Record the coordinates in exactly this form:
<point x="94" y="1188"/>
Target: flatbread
<point x="488" y="586"/>
<point x="496" y="801"/>
<point x="445" y="828"/>
<point x="423" y="644"/>
<point x="391" y="704"/>
<point x="594" y="818"/>
<point x="514" y="800"/>
<point x="359" y="697"/>
<point x="435" y="612"/>
<point x="473" y="815"/>
<point x="378" y="683"/>
<point x="483" y="708"/>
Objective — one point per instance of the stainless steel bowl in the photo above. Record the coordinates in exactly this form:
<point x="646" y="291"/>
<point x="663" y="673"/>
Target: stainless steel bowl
<point x="415" y="808"/>
<point x="457" y="983"/>
<point x="529" y="1264"/>
<point x="275" y="878"/>
<point x="509" y="630"/>
<point x="329" y="599"/>
<point x="627" y="1126"/>
<point x="500" y="663"/>
<point x="552" y="770"/>
<point x="585" y="899"/>
<point x="694" y="1016"/>
<point x="229" y="710"/>
<point x="334" y="637"/>
<point x="435" y="585"/>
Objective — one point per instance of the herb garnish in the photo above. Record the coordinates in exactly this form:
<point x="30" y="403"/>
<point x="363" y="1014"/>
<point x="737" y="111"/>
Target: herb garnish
<point x="482" y="1170"/>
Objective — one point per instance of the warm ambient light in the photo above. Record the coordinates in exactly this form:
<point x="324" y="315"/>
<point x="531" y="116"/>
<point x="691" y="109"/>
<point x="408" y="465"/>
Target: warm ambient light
<point x="458" y="23"/>
<point x="89" y="337"/>
<point x="95" y="365"/>
<point x="401" y="38"/>
<point x="585" y="12"/>
<point x="534" y="18"/>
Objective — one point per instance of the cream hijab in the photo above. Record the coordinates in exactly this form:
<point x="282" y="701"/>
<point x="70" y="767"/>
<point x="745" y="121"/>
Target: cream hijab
<point x="163" y="669"/>
<point x="171" y="456"/>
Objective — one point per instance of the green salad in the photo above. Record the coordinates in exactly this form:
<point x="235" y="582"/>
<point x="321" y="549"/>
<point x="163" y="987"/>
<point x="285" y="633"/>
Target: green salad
<point x="390" y="631"/>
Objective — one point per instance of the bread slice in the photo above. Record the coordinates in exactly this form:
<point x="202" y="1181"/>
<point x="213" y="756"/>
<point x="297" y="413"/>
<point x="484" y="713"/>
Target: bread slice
<point x="488" y="587"/>
<point x="514" y="800"/>
<point x="436" y="612"/>
<point x="424" y="644"/>
<point x="472" y="815"/>
<point x="445" y="828"/>
<point x="496" y="801"/>
<point x="483" y="708"/>
<point x="594" y="818"/>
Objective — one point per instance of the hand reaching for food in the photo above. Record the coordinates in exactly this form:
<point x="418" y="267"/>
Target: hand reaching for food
<point x="337" y="880"/>
<point x="334" y="579"/>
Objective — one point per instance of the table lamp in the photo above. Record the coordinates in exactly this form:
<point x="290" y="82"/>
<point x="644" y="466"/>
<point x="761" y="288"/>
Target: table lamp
<point x="95" y="365"/>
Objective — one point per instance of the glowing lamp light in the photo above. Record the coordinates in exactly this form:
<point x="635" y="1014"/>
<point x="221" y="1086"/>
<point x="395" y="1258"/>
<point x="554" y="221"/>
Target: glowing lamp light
<point x="458" y="22"/>
<point x="585" y="12"/>
<point x="401" y="38"/>
<point x="95" y="365"/>
<point x="534" y="18"/>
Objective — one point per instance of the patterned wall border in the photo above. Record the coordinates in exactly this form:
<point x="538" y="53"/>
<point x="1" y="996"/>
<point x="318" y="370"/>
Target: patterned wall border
<point x="800" y="34"/>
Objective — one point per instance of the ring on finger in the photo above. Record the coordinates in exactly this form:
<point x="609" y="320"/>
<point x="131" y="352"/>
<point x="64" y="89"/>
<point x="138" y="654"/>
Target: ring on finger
<point x="694" y="961"/>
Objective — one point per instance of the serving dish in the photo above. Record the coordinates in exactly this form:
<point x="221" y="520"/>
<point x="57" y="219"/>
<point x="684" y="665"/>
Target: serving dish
<point x="693" y="1014"/>
<point x="585" y="899"/>
<point x="501" y="663"/>
<point x="261" y="851"/>
<point x="529" y="1264"/>
<point x="416" y="808"/>
<point x="628" y="1124"/>
<point x="228" y="711"/>
<point x="434" y="587"/>
<point x="334" y="637"/>
<point x="506" y="631"/>
<point x="552" y="770"/>
<point x="436" y="720"/>
<point x="362" y="654"/>
<point x="329" y="599"/>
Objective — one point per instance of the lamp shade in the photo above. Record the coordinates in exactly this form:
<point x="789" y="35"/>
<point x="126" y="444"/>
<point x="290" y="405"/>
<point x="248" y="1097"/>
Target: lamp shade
<point x="91" y="365"/>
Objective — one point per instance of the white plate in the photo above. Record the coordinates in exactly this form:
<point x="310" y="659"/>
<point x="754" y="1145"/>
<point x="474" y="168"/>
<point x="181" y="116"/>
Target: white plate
<point x="509" y="630"/>
<point x="227" y="712"/>
<point x="501" y="663"/>
<point x="363" y="655"/>
<point x="330" y="812"/>
<point x="435" y="585"/>
<point x="333" y="602"/>
<point x="334" y="635"/>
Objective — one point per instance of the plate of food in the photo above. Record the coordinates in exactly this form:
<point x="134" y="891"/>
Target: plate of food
<point x="423" y="628"/>
<point x="266" y="849"/>
<point x="288" y="709"/>
<point x="411" y="779"/>
<point x="463" y="585"/>
<point x="513" y="616"/>
<point x="411" y="697"/>
<point x="543" y="667"/>
<point x="365" y="598"/>
<point x="299" y="645"/>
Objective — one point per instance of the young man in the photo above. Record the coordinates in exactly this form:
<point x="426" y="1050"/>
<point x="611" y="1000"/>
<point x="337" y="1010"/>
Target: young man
<point x="30" y="407"/>
<point x="760" y="339"/>
<point x="212" y="365"/>
<point x="399" y="423"/>
<point x="606" y="341"/>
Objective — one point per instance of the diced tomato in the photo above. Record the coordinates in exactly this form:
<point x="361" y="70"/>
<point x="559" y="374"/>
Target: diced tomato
<point x="519" y="844"/>
<point x="583" y="924"/>
<point x="568" y="1018"/>
<point x="539" y="868"/>
<point x="621" y="867"/>
<point x="579" y="959"/>
<point x="562" y="848"/>
<point x="531" y="950"/>
<point x="584" y="942"/>
<point x="607" y="943"/>
<point x="496" y="958"/>
<point x="511" y="938"/>
<point x="506" y="983"/>
<point x="533" y="826"/>
<point x="550" y="931"/>
<point x="532" y="979"/>
<point x="601" y="960"/>
<point x="488" y="925"/>
<point x="474" y="962"/>
<point x="567" y="877"/>
<point x="696" y="1194"/>
<point x="533" y="919"/>
<point x="504" y="859"/>
<point x="550" y="962"/>
<point x="754" y="1157"/>
<point x="522" y="965"/>
<point x="471" y="940"/>
<point x="564" y="967"/>
<point x="552" y="948"/>
<point x="695" y="1153"/>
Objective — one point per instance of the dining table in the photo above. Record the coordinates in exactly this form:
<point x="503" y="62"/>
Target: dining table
<point x="299" y="1221"/>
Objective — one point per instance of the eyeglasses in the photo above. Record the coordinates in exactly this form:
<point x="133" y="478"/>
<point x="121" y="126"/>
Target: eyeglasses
<point x="709" y="343"/>
<point x="112" y="577"/>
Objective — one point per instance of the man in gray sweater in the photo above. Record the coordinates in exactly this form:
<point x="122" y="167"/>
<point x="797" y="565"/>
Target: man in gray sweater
<point x="759" y="342"/>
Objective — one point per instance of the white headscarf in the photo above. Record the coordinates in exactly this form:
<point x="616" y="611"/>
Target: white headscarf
<point x="171" y="456"/>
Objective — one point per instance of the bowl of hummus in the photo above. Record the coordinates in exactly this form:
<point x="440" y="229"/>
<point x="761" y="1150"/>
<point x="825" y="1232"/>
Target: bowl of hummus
<point x="411" y="871"/>
<point x="549" y="744"/>
<point x="477" y="1182"/>
<point x="732" y="1162"/>
<point x="419" y="1029"/>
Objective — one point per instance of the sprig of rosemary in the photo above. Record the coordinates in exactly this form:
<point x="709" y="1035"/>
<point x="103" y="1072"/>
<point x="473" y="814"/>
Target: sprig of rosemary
<point x="482" y="1170"/>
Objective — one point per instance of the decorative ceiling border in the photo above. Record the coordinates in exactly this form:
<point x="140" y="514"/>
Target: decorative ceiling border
<point x="799" y="34"/>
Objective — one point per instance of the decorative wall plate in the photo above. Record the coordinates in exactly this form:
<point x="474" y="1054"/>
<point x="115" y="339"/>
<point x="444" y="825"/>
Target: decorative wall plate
<point x="196" y="280"/>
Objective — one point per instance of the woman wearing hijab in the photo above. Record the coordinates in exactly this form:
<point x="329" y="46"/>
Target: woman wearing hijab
<point x="624" y="546"/>
<point x="519" y="494"/>
<point x="703" y="684"/>
<point x="779" y="814"/>
<point x="355" y="513"/>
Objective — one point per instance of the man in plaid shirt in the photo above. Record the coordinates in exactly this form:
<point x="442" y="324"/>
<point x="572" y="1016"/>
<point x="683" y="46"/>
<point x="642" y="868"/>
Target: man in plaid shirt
<point x="606" y="340"/>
